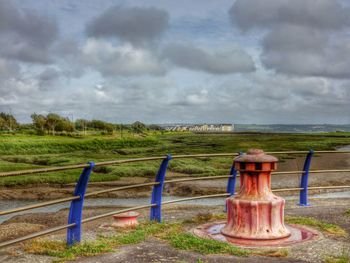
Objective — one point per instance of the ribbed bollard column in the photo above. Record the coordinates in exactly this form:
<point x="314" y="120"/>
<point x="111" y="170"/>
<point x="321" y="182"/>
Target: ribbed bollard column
<point x="255" y="212"/>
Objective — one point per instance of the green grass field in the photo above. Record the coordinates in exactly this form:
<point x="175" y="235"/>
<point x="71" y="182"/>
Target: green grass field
<point x="30" y="151"/>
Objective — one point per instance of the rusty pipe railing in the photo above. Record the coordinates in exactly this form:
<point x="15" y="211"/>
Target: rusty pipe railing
<point x="154" y="184"/>
<point x="113" y="162"/>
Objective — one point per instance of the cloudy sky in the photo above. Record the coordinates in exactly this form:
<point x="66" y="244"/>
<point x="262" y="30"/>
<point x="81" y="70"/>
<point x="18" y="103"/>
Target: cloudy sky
<point x="164" y="61"/>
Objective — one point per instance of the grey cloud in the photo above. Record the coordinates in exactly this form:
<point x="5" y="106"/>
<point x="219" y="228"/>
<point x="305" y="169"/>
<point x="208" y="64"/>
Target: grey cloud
<point x="275" y="98"/>
<point x="25" y="35"/>
<point x="306" y="52"/>
<point x="305" y="38"/>
<point x="132" y="24"/>
<point x="280" y="87"/>
<point x="293" y="38"/>
<point x="8" y="68"/>
<point x="47" y="78"/>
<point x="215" y="62"/>
<point x="322" y="14"/>
<point x="69" y="58"/>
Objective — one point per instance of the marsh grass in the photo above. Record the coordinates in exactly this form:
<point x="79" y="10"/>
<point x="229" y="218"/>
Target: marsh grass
<point x="31" y="151"/>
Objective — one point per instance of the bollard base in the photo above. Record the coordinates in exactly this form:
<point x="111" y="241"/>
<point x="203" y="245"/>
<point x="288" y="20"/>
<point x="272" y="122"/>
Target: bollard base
<point x="298" y="234"/>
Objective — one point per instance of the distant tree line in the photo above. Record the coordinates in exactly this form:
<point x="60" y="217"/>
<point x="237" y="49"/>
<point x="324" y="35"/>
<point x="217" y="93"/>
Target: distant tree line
<point x="8" y="122"/>
<point x="53" y="123"/>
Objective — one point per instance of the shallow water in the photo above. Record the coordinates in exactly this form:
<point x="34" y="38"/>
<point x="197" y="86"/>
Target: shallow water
<point x="344" y="148"/>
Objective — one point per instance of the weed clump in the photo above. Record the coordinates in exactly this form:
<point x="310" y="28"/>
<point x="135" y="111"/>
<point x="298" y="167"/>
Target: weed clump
<point x="309" y="221"/>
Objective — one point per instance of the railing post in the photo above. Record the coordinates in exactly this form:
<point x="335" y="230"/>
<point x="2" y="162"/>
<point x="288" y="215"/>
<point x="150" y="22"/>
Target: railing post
<point x="76" y="207"/>
<point x="303" y="201"/>
<point x="231" y="183"/>
<point x="156" y="211"/>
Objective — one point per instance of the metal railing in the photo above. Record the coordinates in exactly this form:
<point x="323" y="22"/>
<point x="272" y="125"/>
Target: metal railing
<point x="77" y="200"/>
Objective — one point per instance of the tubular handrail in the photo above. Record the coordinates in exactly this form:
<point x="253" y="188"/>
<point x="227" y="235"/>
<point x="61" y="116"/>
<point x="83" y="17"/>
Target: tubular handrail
<point x="43" y="170"/>
<point x="330" y="171"/>
<point x="133" y="160"/>
<point x="182" y="156"/>
<point x="113" y="162"/>
<point x="194" y="198"/>
<point x="120" y="188"/>
<point x="77" y="200"/>
<point x="329" y="187"/>
<point x="77" y="166"/>
<point x="67" y="199"/>
<point x="115" y="213"/>
<point x="197" y="178"/>
<point x="287" y="189"/>
<point x="34" y="235"/>
<point x="58" y="228"/>
<point x="42" y="204"/>
<point x="331" y="151"/>
<point x="287" y="172"/>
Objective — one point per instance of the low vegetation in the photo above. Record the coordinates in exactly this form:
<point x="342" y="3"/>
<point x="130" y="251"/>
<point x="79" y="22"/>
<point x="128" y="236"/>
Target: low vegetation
<point x="24" y="151"/>
<point x="323" y="226"/>
<point x="344" y="257"/>
<point x="174" y="234"/>
<point x="347" y="213"/>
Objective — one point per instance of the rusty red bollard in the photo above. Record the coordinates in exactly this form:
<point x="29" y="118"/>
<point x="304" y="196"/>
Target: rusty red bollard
<point x="255" y="212"/>
<point x="126" y="219"/>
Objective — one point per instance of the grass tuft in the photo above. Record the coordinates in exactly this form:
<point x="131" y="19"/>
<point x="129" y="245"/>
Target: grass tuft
<point x="187" y="241"/>
<point x="171" y="232"/>
<point x="59" y="249"/>
<point x="205" y="217"/>
<point x="347" y="213"/>
<point x="278" y="253"/>
<point x="343" y="258"/>
<point x="324" y="226"/>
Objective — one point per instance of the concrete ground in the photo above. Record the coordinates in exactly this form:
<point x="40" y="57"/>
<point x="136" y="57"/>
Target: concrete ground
<point x="154" y="250"/>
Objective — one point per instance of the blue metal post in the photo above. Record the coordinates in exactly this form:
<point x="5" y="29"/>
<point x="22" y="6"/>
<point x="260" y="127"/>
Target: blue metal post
<point x="231" y="183"/>
<point x="304" y="180"/>
<point x="156" y="211"/>
<point x="76" y="207"/>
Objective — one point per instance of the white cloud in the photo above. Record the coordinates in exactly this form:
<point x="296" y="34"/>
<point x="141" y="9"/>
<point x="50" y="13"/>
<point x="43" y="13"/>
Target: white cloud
<point x="198" y="99"/>
<point x="110" y="59"/>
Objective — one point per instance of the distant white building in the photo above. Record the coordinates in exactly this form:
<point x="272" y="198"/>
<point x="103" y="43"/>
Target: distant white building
<point x="202" y="127"/>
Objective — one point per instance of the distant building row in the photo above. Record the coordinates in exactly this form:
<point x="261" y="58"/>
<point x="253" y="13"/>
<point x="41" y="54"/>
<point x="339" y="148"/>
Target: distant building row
<point x="202" y="128"/>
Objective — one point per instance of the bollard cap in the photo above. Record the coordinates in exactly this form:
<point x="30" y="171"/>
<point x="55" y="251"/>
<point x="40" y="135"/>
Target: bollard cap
<point x="256" y="156"/>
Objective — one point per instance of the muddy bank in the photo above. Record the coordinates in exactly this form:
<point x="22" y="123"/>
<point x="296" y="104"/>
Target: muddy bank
<point x="320" y="161"/>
